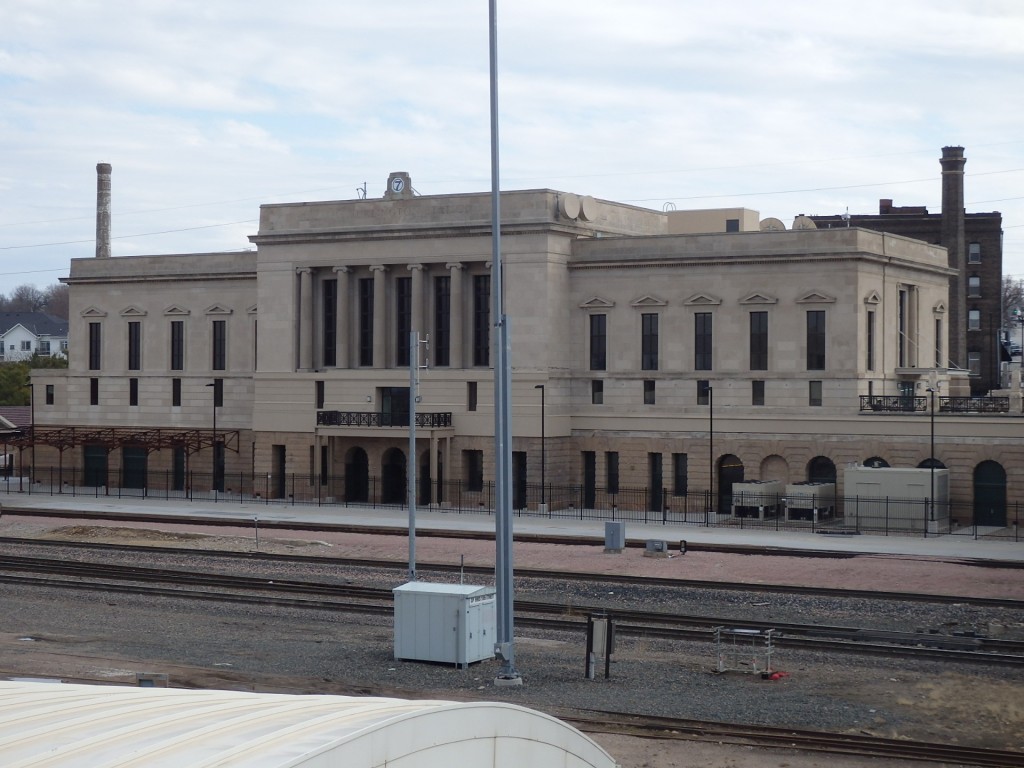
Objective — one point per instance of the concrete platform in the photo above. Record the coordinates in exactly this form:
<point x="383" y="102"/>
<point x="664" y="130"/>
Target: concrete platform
<point x="247" y="514"/>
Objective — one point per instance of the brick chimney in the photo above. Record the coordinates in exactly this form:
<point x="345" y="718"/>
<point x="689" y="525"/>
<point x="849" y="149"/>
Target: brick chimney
<point x="103" y="210"/>
<point x="953" y="236"/>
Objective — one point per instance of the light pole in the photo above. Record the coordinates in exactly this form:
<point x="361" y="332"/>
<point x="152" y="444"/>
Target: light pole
<point x="931" y="459"/>
<point x="216" y="384"/>
<point x="32" y="425"/>
<point x="543" y="449"/>
<point x="711" y="450"/>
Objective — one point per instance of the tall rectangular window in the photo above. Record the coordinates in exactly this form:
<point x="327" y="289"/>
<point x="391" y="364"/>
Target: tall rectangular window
<point x="702" y="341"/>
<point x="759" y="341"/>
<point x="134" y="345"/>
<point x="441" y="342"/>
<point x="974" y="363"/>
<point x="319" y="393"/>
<point x="974" y="286"/>
<point x="218" y="393"/>
<point x="611" y="466"/>
<point x="366" y="321"/>
<point x="471" y="397"/>
<point x="974" y="253"/>
<point x="816" y="340"/>
<point x="871" y="340"/>
<point x="175" y="392"/>
<point x="598" y="342"/>
<point x="133" y="391"/>
<point x="220" y="345"/>
<point x="473" y="462"/>
<point x="974" y="320"/>
<point x="177" y="345"/>
<point x="680" y="464"/>
<point x="95" y="357"/>
<point x="757" y="392"/>
<point x="648" y="391"/>
<point x="939" y="363"/>
<point x="597" y="392"/>
<point x="94" y="391"/>
<point x="49" y="394"/>
<point x="814" y="393"/>
<point x="901" y="329"/>
<point x="649" y="342"/>
<point x="403" y="320"/>
<point x="329" y="329"/>
<point x="481" y="319"/>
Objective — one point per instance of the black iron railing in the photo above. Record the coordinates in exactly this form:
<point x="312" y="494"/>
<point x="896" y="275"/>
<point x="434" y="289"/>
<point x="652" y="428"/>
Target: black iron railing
<point x="974" y="404"/>
<point x="905" y="403"/>
<point x="893" y="403"/>
<point x="380" y="419"/>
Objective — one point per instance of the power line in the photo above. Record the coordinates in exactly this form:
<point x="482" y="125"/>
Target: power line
<point x="125" y="237"/>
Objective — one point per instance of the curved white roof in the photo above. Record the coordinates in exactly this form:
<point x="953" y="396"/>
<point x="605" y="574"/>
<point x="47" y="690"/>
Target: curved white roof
<point x="70" y="726"/>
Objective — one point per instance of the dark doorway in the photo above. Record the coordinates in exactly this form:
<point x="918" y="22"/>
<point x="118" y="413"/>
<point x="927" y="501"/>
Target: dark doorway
<point x="655" y="482"/>
<point x="589" y="479"/>
<point x="730" y="470"/>
<point x="990" y="494"/>
<point x="280" y="481"/>
<point x="423" y="476"/>
<point x="518" y="480"/>
<point x="394" y="409"/>
<point x="821" y="469"/>
<point x="178" y="468"/>
<point x="133" y="466"/>
<point x="357" y="476"/>
<point x="393" y="481"/>
<point x="94" y="460"/>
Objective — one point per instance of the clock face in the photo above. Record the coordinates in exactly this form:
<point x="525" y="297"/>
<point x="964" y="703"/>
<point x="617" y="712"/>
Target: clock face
<point x="397" y="184"/>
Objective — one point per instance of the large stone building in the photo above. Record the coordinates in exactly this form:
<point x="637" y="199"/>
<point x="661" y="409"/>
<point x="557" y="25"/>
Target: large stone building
<point x="974" y="243"/>
<point x="663" y="362"/>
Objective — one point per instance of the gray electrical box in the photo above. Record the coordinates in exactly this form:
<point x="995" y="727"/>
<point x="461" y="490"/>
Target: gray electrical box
<point x="614" y="537"/>
<point x="448" y="623"/>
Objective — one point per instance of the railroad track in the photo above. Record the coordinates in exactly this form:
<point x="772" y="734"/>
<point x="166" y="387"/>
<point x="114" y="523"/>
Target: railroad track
<point x="861" y="745"/>
<point x="179" y="584"/>
<point x="535" y="573"/>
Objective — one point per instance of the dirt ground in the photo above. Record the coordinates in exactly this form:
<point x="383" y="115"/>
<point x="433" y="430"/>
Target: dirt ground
<point x="953" y="700"/>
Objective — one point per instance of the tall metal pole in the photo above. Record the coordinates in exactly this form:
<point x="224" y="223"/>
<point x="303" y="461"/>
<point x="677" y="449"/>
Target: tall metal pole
<point x="711" y="446"/>
<point x="543" y="448"/>
<point x="931" y="460"/>
<point x="32" y="412"/>
<point x="505" y="647"/>
<point x="414" y="359"/>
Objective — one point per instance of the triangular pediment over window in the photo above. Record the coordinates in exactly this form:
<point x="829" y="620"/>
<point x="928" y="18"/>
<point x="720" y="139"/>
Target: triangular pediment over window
<point x="816" y="297"/>
<point x="648" y="301"/>
<point x="93" y="312"/>
<point x="759" y="298"/>
<point x="597" y="303"/>
<point x="218" y="309"/>
<point x="174" y="309"/>
<point x="251" y="310"/>
<point x="939" y="308"/>
<point x="133" y="312"/>
<point x="872" y="298"/>
<point x="703" y="300"/>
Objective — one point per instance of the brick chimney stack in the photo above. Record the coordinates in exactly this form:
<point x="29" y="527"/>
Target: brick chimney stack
<point x="953" y="237"/>
<point x="103" y="210"/>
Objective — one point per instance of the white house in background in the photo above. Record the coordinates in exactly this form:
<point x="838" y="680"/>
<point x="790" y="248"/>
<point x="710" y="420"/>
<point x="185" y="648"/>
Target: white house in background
<point x="26" y="333"/>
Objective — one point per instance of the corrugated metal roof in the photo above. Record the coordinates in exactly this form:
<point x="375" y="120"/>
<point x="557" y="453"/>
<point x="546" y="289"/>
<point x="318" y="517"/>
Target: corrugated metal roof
<point x="74" y="726"/>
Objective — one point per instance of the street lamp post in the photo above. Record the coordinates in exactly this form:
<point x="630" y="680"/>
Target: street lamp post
<point x="543" y="450"/>
<point x="32" y="425"/>
<point x="711" y="450"/>
<point x="214" y="483"/>
<point x="931" y="459"/>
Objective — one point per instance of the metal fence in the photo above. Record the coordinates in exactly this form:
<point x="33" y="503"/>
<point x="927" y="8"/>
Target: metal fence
<point x="841" y="515"/>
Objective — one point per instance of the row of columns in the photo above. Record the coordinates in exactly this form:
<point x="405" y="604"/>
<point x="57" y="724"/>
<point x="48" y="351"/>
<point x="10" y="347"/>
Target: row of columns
<point x="343" y="330"/>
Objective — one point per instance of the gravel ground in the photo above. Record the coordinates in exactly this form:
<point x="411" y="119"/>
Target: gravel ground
<point x="236" y="646"/>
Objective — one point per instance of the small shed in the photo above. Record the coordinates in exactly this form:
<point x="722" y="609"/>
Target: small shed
<point x="757" y="498"/>
<point x="448" y="623"/>
<point x="897" y="498"/>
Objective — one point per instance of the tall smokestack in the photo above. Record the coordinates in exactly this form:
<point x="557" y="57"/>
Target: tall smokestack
<point x="103" y="210"/>
<point x="953" y="236"/>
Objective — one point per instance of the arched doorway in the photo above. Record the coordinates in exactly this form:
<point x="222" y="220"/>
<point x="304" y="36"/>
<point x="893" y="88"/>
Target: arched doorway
<point x="929" y="463"/>
<point x="990" y="494"/>
<point x="730" y="470"/>
<point x="775" y="467"/>
<point x="876" y="461"/>
<point x="821" y="469"/>
<point x="357" y="476"/>
<point x="393" y="483"/>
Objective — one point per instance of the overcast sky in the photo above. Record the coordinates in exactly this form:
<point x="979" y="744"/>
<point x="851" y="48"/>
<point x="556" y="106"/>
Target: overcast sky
<point x="207" y="108"/>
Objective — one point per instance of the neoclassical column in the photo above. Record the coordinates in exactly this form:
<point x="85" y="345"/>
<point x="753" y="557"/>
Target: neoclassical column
<point x="379" y="315"/>
<point x="417" y="320"/>
<point x="456" y="342"/>
<point x="342" y="317"/>
<point x="305" y="318"/>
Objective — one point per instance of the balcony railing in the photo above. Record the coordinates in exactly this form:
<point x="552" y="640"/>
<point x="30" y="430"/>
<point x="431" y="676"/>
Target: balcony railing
<point x="380" y="419"/>
<point x="914" y="403"/>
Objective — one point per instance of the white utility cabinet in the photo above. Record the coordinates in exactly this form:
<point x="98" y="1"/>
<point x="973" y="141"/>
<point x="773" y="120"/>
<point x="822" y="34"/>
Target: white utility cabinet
<point x="757" y="498"/>
<point x="448" y="623"/>
<point x="810" y="501"/>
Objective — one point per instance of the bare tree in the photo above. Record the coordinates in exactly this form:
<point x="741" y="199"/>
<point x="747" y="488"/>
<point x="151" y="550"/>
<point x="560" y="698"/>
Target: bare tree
<point x="57" y="300"/>
<point x="1013" y="298"/>
<point x="26" y="298"/>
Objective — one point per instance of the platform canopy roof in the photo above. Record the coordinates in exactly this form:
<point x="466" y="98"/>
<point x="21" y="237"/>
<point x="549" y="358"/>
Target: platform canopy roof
<point x="64" y="726"/>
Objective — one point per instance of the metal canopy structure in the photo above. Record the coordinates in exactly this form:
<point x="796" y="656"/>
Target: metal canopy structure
<point x="152" y="439"/>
